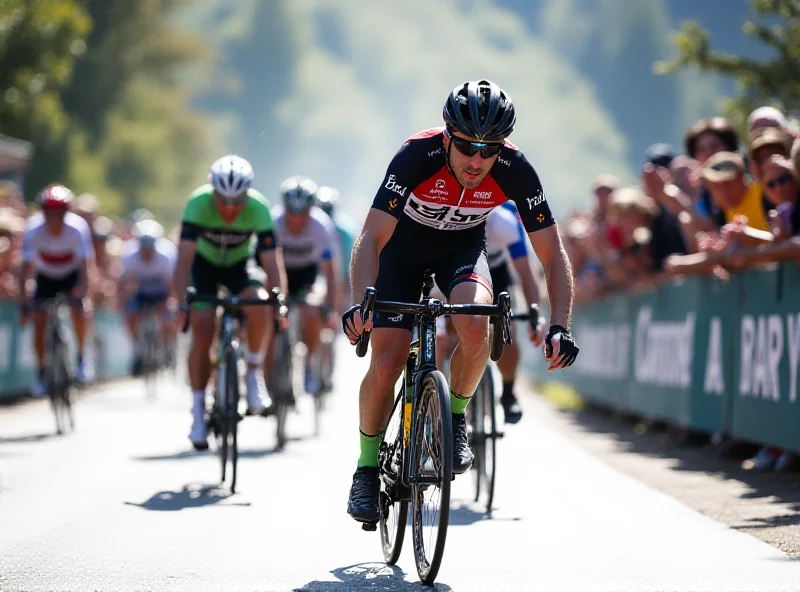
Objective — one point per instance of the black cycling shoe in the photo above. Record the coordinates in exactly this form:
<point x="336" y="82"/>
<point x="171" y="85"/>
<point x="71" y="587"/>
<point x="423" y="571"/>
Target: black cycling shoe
<point x="363" y="502"/>
<point x="512" y="412"/>
<point x="462" y="455"/>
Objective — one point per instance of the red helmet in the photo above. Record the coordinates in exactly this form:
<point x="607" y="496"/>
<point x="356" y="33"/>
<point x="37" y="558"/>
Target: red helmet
<point x="56" y="197"/>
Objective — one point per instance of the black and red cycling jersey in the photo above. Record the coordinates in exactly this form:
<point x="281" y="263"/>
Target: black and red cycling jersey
<point x="421" y="193"/>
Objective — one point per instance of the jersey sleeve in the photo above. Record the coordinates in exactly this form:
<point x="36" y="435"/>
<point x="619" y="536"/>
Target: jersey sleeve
<point x="521" y="184"/>
<point x="519" y="245"/>
<point x="191" y="221"/>
<point x="402" y="175"/>
<point x="85" y="248"/>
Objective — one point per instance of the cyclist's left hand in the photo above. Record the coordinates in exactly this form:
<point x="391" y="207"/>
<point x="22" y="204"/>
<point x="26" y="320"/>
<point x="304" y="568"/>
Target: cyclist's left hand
<point x="559" y="348"/>
<point x="537" y="336"/>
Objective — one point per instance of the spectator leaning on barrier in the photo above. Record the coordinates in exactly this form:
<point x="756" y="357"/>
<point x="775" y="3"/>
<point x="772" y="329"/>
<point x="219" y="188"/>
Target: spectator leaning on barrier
<point x="764" y="143"/>
<point x="703" y="140"/>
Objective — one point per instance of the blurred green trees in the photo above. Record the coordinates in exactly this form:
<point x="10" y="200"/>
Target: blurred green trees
<point x="95" y="85"/>
<point x="775" y="80"/>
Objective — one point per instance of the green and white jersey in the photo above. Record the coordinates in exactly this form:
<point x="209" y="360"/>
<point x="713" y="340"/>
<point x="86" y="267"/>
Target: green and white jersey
<point x="224" y="244"/>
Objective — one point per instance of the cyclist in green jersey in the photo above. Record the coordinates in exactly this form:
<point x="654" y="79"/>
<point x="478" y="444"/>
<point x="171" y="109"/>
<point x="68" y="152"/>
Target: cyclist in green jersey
<point x="219" y="223"/>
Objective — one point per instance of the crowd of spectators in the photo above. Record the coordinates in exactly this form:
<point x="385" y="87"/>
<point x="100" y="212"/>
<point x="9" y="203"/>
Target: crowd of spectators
<point x="727" y="203"/>
<point x="108" y="237"/>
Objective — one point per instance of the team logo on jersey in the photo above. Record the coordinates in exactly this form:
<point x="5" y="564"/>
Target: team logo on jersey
<point x="440" y="183"/>
<point x="392" y="185"/>
<point x="540" y="218"/>
<point x="502" y="160"/>
<point x="534" y="201"/>
<point x="392" y="203"/>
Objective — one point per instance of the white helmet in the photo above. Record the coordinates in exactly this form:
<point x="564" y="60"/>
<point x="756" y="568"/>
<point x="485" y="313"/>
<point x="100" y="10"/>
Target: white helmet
<point x="231" y="176"/>
<point x="299" y="194"/>
<point x="327" y="198"/>
<point x="148" y="232"/>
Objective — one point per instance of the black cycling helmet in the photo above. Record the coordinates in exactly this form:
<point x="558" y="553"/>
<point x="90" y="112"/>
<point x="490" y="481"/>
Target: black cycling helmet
<point x="480" y="109"/>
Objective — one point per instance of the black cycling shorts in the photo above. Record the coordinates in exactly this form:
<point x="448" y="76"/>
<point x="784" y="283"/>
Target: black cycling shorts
<point x="502" y="280"/>
<point x="301" y="280"/>
<point x="47" y="287"/>
<point x="207" y="277"/>
<point x="402" y="266"/>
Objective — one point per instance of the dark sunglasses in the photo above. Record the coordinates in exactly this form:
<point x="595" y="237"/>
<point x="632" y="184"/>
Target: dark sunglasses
<point x="778" y="181"/>
<point x="469" y="148"/>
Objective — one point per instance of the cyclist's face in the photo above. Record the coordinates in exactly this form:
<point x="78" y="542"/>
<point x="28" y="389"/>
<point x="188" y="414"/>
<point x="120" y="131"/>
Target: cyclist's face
<point x="228" y="209"/>
<point x="147" y="252"/>
<point x="470" y="171"/>
<point x="297" y="222"/>
<point x="54" y="220"/>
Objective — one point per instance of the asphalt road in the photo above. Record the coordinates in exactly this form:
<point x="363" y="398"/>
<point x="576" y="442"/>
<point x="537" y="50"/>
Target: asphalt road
<point x="124" y="504"/>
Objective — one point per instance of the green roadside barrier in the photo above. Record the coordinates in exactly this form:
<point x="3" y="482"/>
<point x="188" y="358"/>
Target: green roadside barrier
<point x="111" y="350"/>
<point x="699" y="353"/>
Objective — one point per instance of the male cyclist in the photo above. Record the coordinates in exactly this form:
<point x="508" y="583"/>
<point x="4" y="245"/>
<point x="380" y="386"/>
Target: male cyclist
<point x="57" y="245"/>
<point x="147" y="278"/>
<point x="346" y="231"/>
<point x="430" y="213"/>
<point x="219" y="222"/>
<point x="306" y="237"/>
<point x="505" y="239"/>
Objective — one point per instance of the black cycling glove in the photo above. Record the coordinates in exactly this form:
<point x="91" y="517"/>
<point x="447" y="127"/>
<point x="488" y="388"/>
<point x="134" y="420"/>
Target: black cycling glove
<point x="568" y="350"/>
<point x="347" y="318"/>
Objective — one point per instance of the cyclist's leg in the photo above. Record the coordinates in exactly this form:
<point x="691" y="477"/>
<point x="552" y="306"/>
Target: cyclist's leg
<point x="46" y="289"/>
<point x="466" y="275"/>
<point x="248" y="282"/>
<point x="399" y="279"/>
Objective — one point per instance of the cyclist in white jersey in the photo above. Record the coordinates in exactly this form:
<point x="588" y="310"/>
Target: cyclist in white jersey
<point x="306" y="235"/>
<point x="146" y="278"/>
<point x="57" y="246"/>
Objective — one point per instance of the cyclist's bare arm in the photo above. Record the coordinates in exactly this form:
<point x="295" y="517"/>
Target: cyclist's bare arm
<point x="82" y="288"/>
<point x="272" y="262"/>
<point x="377" y="231"/>
<point x="25" y="272"/>
<point x="183" y="267"/>
<point x="547" y="245"/>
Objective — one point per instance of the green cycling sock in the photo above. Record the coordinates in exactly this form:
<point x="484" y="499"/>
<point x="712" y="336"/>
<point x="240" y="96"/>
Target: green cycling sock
<point x="458" y="403"/>
<point x="369" y="449"/>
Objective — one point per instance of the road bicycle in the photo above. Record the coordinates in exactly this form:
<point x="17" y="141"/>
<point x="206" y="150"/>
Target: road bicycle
<point x="484" y="432"/>
<point x="151" y="349"/>
<point x="224" y="416"/>
<point x="59" y="377"/>
<point x="416" y="452"/>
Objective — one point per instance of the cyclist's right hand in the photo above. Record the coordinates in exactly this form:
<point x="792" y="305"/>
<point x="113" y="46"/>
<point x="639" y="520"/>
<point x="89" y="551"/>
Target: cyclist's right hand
<point x="353" y="325"/>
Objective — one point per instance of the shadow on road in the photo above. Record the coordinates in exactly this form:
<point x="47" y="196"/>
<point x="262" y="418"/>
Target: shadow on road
<point x="370" y="577"/>
<point x="696" y="454"/>
<point x="188" y="453"/>
<point x="26" y="439"/>
<point x="191" y="496"/>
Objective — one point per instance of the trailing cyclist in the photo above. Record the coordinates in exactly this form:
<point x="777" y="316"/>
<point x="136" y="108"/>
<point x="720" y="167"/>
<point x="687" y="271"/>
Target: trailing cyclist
<point x="219" y="223"/>
<point x="346" y="231"/>
<point x="147" y="277"/>
<point x="430" y="213"/>
<point x="505" y="240"/>
<point x="306" y="237"/>
<point x="57" y="245"/>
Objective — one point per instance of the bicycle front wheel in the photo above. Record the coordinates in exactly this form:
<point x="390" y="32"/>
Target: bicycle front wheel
<point x="232" y="415"/>
<point x="220" y="416"/>
<point x="280" y="385"/>
<point x="393" y="509"/>
<point x="431" y="473"/>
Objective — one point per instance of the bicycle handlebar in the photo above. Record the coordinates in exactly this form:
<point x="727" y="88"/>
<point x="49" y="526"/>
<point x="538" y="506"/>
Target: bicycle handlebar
<point x="531" y="316"/>
<point x="501" y="310"/>
<point x="231" y="304"/>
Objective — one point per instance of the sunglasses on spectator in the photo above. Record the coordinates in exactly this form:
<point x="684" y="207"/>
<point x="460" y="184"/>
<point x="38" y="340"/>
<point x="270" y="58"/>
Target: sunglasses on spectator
<point x="778" y="181"/>
<point x="470" y="148"/>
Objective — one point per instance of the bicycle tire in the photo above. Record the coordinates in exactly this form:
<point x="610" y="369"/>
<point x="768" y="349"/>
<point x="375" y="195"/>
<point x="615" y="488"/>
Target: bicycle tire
<point x="477" y="438"/>
<point x="55" y="382"/>
<point x="220" y="413"/>
<point x="232" y="415"/>
<point x="281" y="385"/>
<point x="393" y="511"/>
<point x="432" y="406"/>
<point x="489" y="466"/>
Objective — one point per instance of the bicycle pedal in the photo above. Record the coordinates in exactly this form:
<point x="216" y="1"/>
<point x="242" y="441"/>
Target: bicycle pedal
<point x="369" y="526"/>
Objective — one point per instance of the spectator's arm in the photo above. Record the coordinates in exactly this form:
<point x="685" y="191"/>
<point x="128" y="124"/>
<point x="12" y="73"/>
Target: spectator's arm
<point x="788" y="250"/>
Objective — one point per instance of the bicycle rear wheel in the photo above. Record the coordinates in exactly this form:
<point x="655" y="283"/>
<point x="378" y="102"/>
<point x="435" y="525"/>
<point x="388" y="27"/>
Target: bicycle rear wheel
<point x="232" y="415"/>
<point x="431" y="474"/>
<point x="477" y="437"/>
<point x="280" y="385"/>
<point x="393" y="511"/>
<point x="488" y="421"/>
<point x="57" y="386"/>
